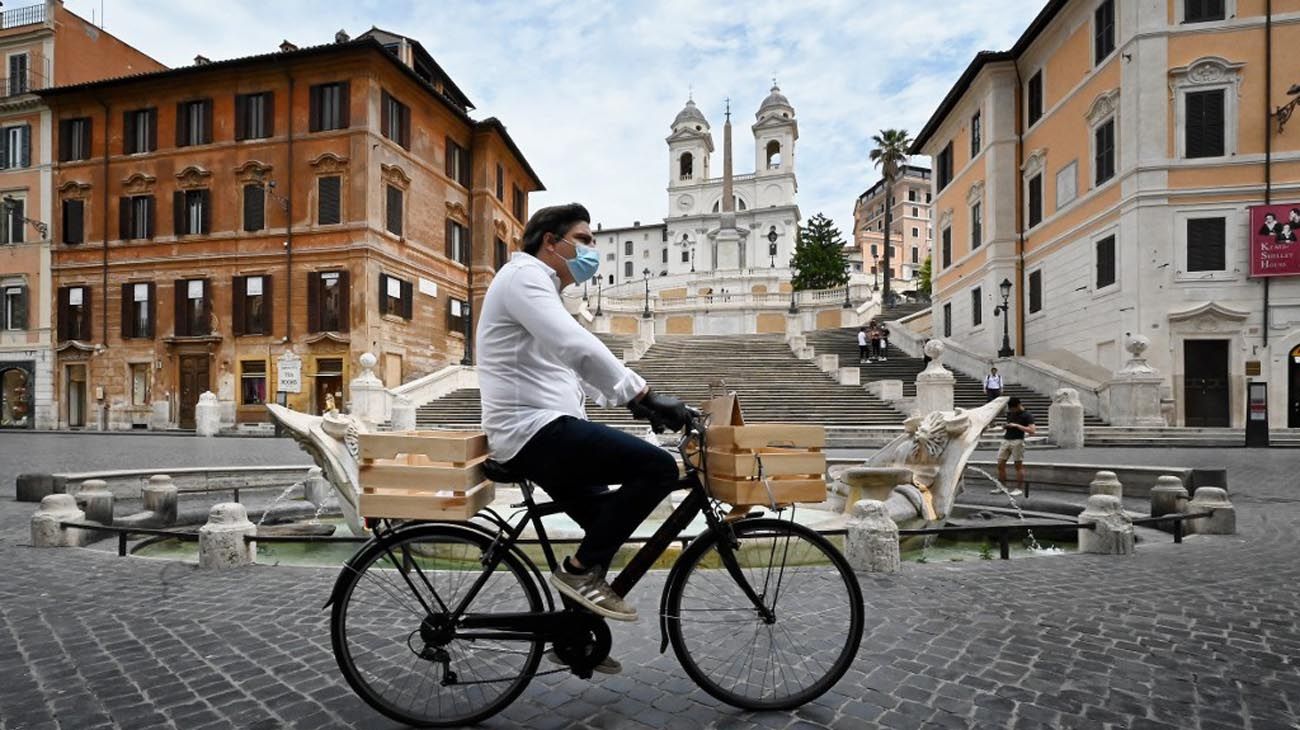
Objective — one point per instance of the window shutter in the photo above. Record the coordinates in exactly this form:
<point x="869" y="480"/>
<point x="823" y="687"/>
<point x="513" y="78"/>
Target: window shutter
<point x="153" y="310"/>
<point x="26" y="160"/>
<point x="238" y="294"/>
<point x="254" y="208"/>
<point x="313" y="109"/>
<point x="313" y="301"/>
<point x="73" y="221"/>
<point x="127" y="291"/>
<point x="61" y="314"/>
<point x="405" y="127"/>
<point x="207" y="121"/>
<point x="383" y="294"/>
<point x="65" y="139"/>
<point x="394" y="210"/>
<point x="449" y="236"/>
<point x="407" y="300"/>
<point x="128" y="133"/>
<point x="268" y="299"/>
<point x="1035" y="291"/>
<point x="268" y="113"/>
<point x="179" y="219"/>
<point x="207" y="307"/>
<point x="87" y="125"/>
<point x="148" y="217"/>
<point x="182" y="125"/>
<point x="384" y="116"/>
<point x="181" y="325"/>
<point x="205" y="203"/>
<point x="328" y="203"/>
<point x="1206" y="243"/>
<point x="4" y="149"/>
<point x="153" y="129"/>
<point x="345" y="106"/>
<point x="465" y="162"/>
<point x="1105" y="262"/>
<point x="345" y="302"/>
<point x="449" y="157"/>
<point x="124" y="218"/>
<point x="20" y="309"/>
<point x="241" y="117"/>
<point x="1035" y="200"/>
<point x="1205" y="123"/>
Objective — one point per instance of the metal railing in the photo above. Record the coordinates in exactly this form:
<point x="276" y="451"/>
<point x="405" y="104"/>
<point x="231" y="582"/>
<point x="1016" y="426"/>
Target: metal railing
<point x="19" y="85"/>
<point x="28" y="15"/>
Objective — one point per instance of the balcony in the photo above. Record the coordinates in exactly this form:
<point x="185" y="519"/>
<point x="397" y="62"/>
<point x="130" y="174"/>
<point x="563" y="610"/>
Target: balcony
<point x="21" y="84"/>
<point x="18" y="17"/>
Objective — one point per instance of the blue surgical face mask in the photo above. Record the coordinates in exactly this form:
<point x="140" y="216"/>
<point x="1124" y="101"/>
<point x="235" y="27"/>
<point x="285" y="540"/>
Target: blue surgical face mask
<point x="585" y="264"/>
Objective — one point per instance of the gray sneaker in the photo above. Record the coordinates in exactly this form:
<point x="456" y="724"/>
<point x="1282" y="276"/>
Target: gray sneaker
<point x="591" y="591"/>
<point x="608" y="665"/>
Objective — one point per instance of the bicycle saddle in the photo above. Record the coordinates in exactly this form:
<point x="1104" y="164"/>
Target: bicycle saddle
<point x="500" y="473"/>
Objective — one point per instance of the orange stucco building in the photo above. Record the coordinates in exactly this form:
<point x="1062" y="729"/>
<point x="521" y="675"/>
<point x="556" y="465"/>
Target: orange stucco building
<point x="910" y="228"/>
<point x="43" y="45"/>
<point x="229" y="223"/>
<point x="1104" y="167"/>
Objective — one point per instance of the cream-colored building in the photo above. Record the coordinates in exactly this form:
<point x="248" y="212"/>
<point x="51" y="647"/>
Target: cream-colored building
<point x="910" y="228"/>
<point x="1105" y="165"/>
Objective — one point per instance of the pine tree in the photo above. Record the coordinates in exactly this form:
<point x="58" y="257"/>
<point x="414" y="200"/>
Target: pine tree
<point x="820" y="261"/>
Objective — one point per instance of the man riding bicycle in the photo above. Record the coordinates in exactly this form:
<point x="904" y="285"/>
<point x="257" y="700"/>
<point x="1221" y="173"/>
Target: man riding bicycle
<point x="536" y="365"/>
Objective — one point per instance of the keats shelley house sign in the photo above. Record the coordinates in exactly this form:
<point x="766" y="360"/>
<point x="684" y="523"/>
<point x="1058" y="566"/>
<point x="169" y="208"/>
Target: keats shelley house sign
<point x="1275" y="240"/>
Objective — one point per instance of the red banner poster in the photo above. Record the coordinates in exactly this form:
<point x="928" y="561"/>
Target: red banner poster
<point x="1275" y="240"/>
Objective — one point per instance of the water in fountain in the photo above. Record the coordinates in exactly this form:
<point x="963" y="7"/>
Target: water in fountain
<point x="1033" y="542"/>
<point x="278" y="499"/>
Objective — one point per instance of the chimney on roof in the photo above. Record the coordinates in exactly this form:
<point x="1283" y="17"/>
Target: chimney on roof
<point x="636" y="224"/>
<point x="201" y="60"/>
<point x="286" y="46"/>
<point x="598" y="226"/>
<point x="342" y="36"/>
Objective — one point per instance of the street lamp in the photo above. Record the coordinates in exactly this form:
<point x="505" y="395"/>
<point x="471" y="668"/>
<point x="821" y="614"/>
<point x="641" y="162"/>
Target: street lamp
<point x="584" y="291"/>
<point x="1003" y="309"/>
<point x="645" y="274"/>
<point x="599" y="286"/>
<point x="771" y="245"/>
<point x="11" y="206"/>
<point x="1283" y="112"/>
<point x="848" y="278"/>
<point x="875" y="271"/>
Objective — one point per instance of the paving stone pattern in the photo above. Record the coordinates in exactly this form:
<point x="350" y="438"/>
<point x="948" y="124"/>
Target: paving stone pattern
<point x="1199" y="635"/>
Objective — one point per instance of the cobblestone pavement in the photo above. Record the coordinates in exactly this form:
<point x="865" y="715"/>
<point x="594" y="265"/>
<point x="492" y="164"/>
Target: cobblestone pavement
<point x="1199" y="635"/>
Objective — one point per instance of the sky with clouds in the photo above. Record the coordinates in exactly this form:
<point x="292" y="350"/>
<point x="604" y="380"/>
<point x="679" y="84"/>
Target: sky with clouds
<point x="588" y="88"/>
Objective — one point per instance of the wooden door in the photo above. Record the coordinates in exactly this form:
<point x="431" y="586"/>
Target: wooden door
<point x="329" y="385"/>
<point x="1205" y="383"/>
<point x="1293" y="389"/>
<point x="76" y="396"/>
<point x="193" y="381"/>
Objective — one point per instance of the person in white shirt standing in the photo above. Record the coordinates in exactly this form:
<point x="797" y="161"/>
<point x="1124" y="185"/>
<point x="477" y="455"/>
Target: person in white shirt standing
<point x="992" y="385"/>
<point x="536" y="365"/>
<point x="862" y="345"/>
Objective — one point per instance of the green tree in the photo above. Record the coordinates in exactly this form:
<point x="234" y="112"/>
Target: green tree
<point x="889" y="155"/>
<point x="923" y="278"/>
<point x="820" y="261"/>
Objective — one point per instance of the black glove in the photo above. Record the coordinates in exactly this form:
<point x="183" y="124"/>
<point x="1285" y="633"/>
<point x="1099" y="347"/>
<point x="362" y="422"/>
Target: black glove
<point x="662" y="411"/>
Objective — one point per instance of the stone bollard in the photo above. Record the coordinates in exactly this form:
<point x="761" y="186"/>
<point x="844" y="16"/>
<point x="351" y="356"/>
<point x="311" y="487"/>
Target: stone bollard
<point x="159" y="497"/>
<point x="96" y="500"/>
<point x="1065" y="419"/>
<point x="314" y="488"/>
<point x="1168" y="496"/>
<point x="221" y="540"/>
<point x="1212" y="499"/>
<point x="54" y="509"/>
<point x="1105" y="482"/>
<point x="403" y="416"/>
<point x="871" y="545"/>
<point x="1113" y="534"/>
<point x="850" y="376"/>
<point x="207" y="415"/>
<point x="828" y="363"/>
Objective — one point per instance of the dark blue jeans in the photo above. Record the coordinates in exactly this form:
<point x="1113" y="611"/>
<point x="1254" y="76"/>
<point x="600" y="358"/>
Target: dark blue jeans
<point x="575" y="461"/>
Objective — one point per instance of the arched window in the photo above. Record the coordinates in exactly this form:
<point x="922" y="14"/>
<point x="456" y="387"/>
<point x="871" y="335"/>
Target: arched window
<point x="687" y="170"/>
<point x="773" y="155"/>
<point x="740" y="204"/>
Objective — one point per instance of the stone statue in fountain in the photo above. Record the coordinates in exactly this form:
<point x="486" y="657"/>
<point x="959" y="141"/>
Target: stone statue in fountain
<point x="919" y="474"/>
<point x="331" y="440"/>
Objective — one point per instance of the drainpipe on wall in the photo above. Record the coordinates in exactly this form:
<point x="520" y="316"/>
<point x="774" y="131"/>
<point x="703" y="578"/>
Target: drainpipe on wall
<point x="104" y="218"/>
<point x="288" y="227"/>
<point x="1268" y="132"/>
<point x="1021" y="297"/>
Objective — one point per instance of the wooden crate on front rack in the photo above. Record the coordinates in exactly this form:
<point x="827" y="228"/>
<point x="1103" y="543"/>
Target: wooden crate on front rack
<point x="744" y="462"/>
<point x="424" y="475"/>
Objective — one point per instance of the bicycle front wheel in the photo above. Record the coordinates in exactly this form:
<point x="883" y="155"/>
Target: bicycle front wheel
<point x="730" y="650"/>
<point x="396" y="645"/>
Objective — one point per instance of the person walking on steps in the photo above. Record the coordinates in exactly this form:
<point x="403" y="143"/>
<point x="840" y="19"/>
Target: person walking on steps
<point x="875" y="341"/>
<point x="862" y="345"/>
<point x="535" y="365"/>
<point x="884" y="343"/>
<point x="1020" y="423"/>
<point x="992" y="385"/>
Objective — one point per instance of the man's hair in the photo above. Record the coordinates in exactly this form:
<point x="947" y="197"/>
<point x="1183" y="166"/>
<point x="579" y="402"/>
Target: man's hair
<point x="993" y="370"/>
<point x="1296" y="211"/>
<point x="1270" y="215"/>
<point x="1014" y="402"/>
<point x="556" y="220"/>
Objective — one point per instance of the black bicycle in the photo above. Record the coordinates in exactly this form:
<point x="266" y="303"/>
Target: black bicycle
<point x="442" y="624"/>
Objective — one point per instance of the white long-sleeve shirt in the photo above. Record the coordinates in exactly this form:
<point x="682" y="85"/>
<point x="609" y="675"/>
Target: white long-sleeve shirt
<point x="535" y="362"/>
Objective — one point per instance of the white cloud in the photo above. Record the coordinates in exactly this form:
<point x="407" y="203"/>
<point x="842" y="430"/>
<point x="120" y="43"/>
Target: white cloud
<point x="589" y="87"/>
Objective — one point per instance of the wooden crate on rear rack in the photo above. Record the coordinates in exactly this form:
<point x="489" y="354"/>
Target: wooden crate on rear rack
<point x="744" y="462"/>
<point x="424" y="475"/>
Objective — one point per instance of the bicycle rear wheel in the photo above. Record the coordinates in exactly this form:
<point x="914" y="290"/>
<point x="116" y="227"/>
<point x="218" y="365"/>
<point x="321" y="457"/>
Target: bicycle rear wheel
<point x="731" y="651"/>
<point x="393" y="640"/>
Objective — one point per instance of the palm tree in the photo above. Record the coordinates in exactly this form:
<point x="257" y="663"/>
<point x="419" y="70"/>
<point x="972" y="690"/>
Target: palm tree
<point x="889" y="155"/>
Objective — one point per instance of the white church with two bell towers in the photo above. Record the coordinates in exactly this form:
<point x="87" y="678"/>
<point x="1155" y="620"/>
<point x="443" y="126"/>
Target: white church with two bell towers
<point x="728" y="223"/>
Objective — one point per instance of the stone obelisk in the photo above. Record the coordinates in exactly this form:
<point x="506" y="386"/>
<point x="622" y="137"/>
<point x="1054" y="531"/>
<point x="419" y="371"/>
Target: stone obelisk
<point x="729" y="242"/>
